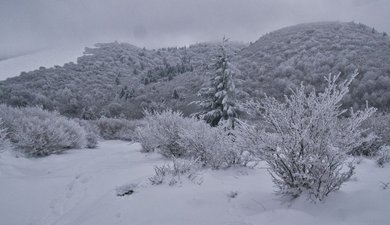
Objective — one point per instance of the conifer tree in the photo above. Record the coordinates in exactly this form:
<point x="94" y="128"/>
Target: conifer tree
<point x="218" y="102"/>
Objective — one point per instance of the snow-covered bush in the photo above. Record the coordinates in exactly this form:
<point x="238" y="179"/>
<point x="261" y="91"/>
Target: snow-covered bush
<point x="370" y="146"/>
<point x="210" y="145"/>
<point x="144" y="135"/>
<point x="4" y="141"/>
<point x="383" y="155"/>
<point x="92" y="132"/>
<point x="377" y="134"/>
<point x="121" y="129"/>
<point x="307" y="141"/>
<point x="214" y="146"/>
<point x="38" y="137"/>
<point x="379" y="124"/>
<point x="160" y="132"/>
<point x="247" y="141"/>
<point x="37" y="132"/>
<point x="173" y="135"/>
<point x="172" y="174"/>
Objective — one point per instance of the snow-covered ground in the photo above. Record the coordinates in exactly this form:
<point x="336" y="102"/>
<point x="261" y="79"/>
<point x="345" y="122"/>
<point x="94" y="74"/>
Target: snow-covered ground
<point x="80" y="187"/>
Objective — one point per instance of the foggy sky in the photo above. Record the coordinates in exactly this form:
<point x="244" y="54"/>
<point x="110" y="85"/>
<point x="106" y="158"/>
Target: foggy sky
<point x="29" y="25"/>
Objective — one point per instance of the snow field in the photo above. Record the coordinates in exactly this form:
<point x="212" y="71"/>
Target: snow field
<point x="80" y="187"/>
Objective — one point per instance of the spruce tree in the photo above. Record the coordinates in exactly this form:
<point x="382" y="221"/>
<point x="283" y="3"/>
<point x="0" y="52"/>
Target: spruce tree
<point x="218" y="101"/>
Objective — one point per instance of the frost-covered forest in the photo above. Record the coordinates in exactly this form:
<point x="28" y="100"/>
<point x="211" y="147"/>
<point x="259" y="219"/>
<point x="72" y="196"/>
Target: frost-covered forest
<point x="118" y="80"/>
<point x="307" y="52"/>
<point x="291" y="129"/>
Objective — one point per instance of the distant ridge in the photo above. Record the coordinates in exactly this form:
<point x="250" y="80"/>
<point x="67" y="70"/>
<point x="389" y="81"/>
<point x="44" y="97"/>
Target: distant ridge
<point x="120" y="80"/>
<point x="308" y="52"/>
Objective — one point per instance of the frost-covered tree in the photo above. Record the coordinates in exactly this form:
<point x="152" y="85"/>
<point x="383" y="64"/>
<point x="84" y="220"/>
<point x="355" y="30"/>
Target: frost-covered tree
<point x="218" y="102"/>
<point x="308" y="137"/>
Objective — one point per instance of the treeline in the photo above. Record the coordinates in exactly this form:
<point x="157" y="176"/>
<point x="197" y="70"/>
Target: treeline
<point x="114" y="80"/>
<point x="120" y="80"/>
<point x="304" y="53"/>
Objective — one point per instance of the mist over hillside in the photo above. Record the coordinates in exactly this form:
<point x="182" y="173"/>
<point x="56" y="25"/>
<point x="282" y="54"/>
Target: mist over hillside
<point x="119" y="80"/>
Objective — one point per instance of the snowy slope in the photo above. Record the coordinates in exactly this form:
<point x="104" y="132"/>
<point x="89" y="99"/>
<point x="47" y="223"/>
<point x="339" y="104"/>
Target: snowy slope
<point x="79" y="187"/>
<point x="307" y="52"/>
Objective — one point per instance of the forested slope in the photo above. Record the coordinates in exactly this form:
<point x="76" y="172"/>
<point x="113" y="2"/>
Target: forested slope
<point x="115" y="79"/>
<point x="119" y="80"/>
<point x="307" y="52"/>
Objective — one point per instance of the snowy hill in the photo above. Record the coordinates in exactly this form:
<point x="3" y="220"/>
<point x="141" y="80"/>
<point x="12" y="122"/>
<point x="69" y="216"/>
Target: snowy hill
<point x="80" y="187"/>
<point x="308" y="52"/>
<point x="118" y="79"/>
<point x="115" y="78"/>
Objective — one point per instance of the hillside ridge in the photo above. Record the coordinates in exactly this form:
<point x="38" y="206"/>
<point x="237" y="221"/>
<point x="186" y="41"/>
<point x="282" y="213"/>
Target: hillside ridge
<point x="119" y="79"/>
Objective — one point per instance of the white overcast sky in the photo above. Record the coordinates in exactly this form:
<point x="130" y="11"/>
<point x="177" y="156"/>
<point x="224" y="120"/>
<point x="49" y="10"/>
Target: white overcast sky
<point x="28" y="25"/>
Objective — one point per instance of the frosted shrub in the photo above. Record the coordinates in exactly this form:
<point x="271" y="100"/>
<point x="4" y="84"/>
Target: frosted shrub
<point x="38" y="137"/>
<point x="379" y="126"/>
<point x="92" y="132"/>
<point x="172" y="174"/>
<point x="37" y="132"/>
<point x="248" y="144"/>
<point x="116" y="129"/>
<point x="143" y="135"/>
<point x="209" y="144"/>
<point x="377" y="134"/>
<point x="307" y="141"/>
<point x="383" y="155"/>
<point x="214" y="146"/>
<point x="160" y="132"/>
<point x="369" y="147"/>
<point x="4" y="141"/>
<point x="173" y="135"/>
